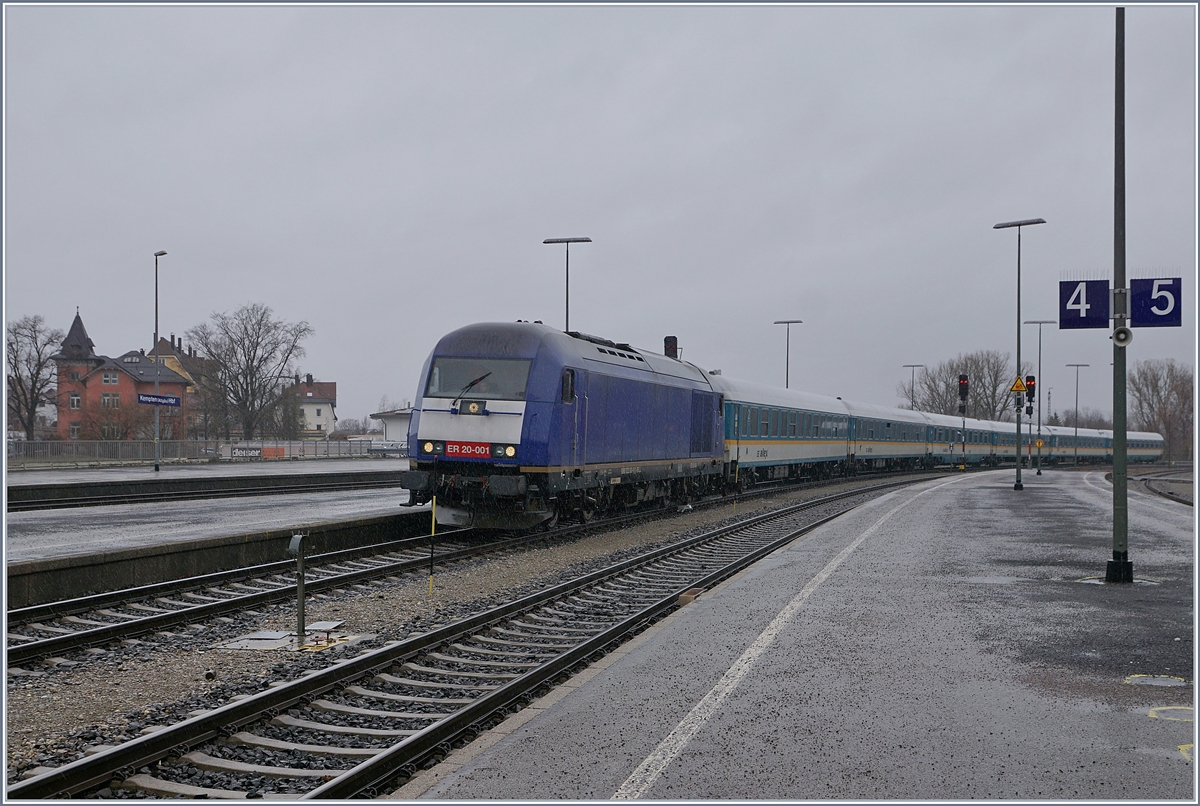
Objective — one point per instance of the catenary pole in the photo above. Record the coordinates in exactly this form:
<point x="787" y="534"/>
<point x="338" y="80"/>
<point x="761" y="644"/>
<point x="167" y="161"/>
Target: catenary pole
<point x="1120" y="569"/>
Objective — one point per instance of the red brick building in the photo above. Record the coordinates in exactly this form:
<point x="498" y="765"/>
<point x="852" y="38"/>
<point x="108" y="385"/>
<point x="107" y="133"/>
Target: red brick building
<point x="98" y="395"/>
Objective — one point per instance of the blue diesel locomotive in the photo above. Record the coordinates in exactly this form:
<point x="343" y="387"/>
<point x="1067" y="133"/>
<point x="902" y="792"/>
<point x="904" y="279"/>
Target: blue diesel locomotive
<point x="520" y="424"/>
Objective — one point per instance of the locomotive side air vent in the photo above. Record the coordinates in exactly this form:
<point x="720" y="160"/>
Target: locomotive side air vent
<point x="620" y="355"/>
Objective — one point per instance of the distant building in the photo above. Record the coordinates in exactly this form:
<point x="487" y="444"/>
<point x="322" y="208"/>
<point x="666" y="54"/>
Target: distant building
<point x="395" y="423"/>
<point x="98" y="395"/>
<point x="318" y="403"/>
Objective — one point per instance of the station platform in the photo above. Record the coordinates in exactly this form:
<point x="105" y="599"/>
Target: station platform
<point x="950" y="640"/>
<point x="183" y="472"/>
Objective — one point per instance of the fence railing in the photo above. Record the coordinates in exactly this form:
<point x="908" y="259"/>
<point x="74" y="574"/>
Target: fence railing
<point x="77" y="452"/>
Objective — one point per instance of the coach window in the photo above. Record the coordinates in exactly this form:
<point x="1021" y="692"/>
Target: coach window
<point x="568" y="386"/>
<point x="754" y="421"/>
<point x="766" y="423"/>
<point x="745" y="421"/>
<point x="774" y="422"/>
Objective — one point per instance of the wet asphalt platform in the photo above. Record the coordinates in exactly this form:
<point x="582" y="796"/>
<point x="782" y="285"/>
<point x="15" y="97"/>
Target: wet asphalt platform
<point x="183" y="472"/>
<point x="951" y="640"/>
<point x="59" y="533"/>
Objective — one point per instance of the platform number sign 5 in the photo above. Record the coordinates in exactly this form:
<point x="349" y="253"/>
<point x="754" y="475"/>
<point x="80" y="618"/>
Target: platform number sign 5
<point x="1083" y="303"/>
<point x="1155" y="303"/>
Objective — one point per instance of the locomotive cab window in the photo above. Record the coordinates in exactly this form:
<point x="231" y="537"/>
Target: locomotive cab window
<point x="568" y="386"/>
<point x="490" y="378"/>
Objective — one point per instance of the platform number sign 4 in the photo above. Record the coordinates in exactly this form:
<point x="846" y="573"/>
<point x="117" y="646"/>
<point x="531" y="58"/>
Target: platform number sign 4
<point x="1083" y="303"/>
<point x="1155" y="303"/>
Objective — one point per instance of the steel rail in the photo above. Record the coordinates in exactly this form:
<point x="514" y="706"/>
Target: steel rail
<point x="83" y="604"/>
<point x="123" y="759"/>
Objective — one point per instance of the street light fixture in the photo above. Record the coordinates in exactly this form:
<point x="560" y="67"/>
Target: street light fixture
<point x="1026" y="222"/>
<point x="568" y="242"/>
<point x="157" y="366"/>
<point x="788" y="350"/>
<point x="1077" y="366"/>
<point x="1041" y="383"/>
<point x="912" y="387"/>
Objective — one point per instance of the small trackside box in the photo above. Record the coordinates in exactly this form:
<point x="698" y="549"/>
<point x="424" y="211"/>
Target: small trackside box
<point x="418" y="480"/>
<point x="507" y="485"/>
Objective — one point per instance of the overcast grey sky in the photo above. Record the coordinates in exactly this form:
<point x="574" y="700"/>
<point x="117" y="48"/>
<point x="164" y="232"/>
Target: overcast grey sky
<point x="388" y="174"/>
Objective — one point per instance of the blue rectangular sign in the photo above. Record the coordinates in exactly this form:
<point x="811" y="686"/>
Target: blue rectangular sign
<point x="1156" y="303"/>
<point x="1082" y="303"/>
<point x="158" y="400"/>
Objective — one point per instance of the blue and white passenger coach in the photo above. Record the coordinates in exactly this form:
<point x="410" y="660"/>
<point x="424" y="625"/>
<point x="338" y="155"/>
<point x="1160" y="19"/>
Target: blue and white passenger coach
<point x="520" y="423"/>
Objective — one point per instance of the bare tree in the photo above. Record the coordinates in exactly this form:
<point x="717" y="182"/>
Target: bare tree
<point x="1088" y="418"/>
<point x="252" y="357"/>
<point x="1160" y="399"/>
<point x="991" y="376"/>
<point x="31" y="370"/>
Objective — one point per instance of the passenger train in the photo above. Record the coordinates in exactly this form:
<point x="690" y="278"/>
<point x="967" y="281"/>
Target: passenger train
<point x="520" y="424"/>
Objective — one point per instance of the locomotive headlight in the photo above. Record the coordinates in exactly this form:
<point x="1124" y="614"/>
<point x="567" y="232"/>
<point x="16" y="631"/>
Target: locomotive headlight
<point x="502" y="451"/>
<point x="427" y="447"/>
<point x="510" y="451"/>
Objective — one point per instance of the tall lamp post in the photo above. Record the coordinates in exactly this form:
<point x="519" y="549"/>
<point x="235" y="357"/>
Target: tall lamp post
<point x="1041" y="383"/>
<point x="787" y="353"/>
<point x="568" y="242"/>
<point x="1027" y="222"/>
<point x="912" y="386"/>
<point x="1077" y="366"/>
<point x="157" y="449"/>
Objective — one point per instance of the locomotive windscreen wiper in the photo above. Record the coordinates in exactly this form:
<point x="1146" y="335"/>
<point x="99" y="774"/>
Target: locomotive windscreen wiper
<point x="469" y="386"/>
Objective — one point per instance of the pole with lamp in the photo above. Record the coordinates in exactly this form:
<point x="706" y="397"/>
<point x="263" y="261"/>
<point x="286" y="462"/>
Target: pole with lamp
<point x="157" y="366"/>
<point x="787" y="360"/>
<point x="912" y="386"/>
<point x="1039" y="323"/>
<point x="1077" y="366"/>
<point x="568" y="242"/>
<point x="1026" y="222"/>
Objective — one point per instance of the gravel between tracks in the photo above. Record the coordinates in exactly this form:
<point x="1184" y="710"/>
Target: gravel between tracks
<point x="111" y="697"/>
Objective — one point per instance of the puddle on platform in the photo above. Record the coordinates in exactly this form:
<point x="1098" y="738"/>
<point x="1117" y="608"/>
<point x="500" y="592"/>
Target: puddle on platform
<point x="1100" y="581"/>
<point x="1155" y="680"/>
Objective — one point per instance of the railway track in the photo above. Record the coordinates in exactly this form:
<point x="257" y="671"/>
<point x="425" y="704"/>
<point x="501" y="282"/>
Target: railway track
<point x="57" y="628"/>
<point x="1160" y="484"/>
<point x="364" y="725"/>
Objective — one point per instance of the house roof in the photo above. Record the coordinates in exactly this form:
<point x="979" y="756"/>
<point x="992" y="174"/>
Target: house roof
<point x="139" y="367"/>
<point x="77" y="345"/>
<point x="379" y="415"/>
<point x="322" y="392"/>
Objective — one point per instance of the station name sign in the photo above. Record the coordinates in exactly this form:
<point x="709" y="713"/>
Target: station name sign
<point x="1152" y="303"/>
<point x="158" y="400"/>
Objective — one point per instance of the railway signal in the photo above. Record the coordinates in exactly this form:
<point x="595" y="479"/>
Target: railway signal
<point x="964" y="384"/>
<point x="1030" y="385"/>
